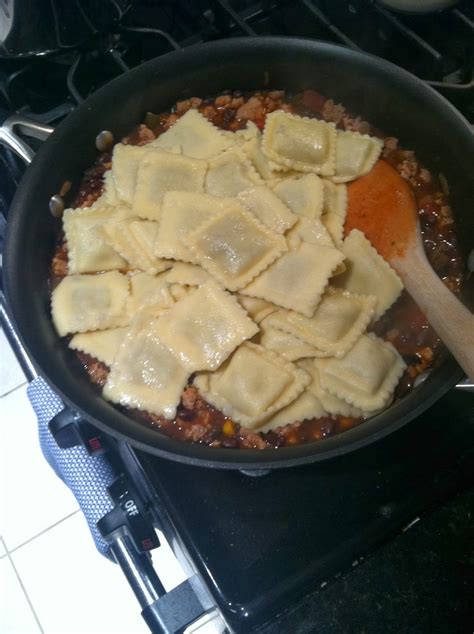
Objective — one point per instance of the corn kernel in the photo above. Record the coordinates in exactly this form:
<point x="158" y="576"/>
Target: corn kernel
<point x="228" y="428"/>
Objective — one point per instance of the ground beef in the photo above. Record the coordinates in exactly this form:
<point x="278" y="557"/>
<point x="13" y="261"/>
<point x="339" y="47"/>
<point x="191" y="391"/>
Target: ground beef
<point x="355" y="125"/>
<point x="390" y="144"/>
<point x="97" y="371"/>
<point x="187" y="104"/>
<point x="332" y="111"/>
<point x="92" y="184"/>
<point x="252" y="109"/>
<point x="189" y="397"/>
<point x="251" y="440"/>
<point x="145" y="135"/>
<point x="195" y="432"/>
<point x="59" y="265"/>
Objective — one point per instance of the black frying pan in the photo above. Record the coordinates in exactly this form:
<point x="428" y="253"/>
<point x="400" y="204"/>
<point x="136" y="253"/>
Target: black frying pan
<point x="388" y="97"/>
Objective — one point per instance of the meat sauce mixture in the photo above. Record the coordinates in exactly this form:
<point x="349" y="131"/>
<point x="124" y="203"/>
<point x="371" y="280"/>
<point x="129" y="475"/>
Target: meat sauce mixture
<point x="404" y="325"/>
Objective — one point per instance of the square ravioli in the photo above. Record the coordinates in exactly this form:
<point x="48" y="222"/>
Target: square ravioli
<point x="187" y="274"/>
<point x="87" y="251"/>
<point x="90" y="302"/>
<point x="298" y="278"/>
<point x="125" y="161"/>
<point x="145" y="375"/>
<point x="109" y="196"/>
<point x="267" y="208"/>
<point x="181" y="214"/>
<point x="252" y="385"/>
<point x="100" y="344"/>
<point x="367" y="272"/>
<point x="148" y="290"/>
<point x="230" y="173"/>
<point x="284" y="343"/>
<point x="356" y="155"/>
<point x="334" y="210"/>
<point x="204" y="327"/>
<point x="304" y="195"/>
<point x="234" y="247"/>
<point x="178" y="291"/>
<point x="144" y="233"/>
<point x="305" y="407"/>
<point x="160" y="172"/>
<point x="332" y="405"/>
<point x="311" y="231"/>
<point x="366" y="377"/>
<point x="339" y="320"/>
<point x="267" y="169"/>
<point x="122" y="236"/>
<point x="256" y="308"/>
<point x="300" y="143"/>
<point x="195" y="136"/>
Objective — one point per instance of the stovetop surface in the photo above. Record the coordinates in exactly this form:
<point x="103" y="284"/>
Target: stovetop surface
<point x="262" y="544"/>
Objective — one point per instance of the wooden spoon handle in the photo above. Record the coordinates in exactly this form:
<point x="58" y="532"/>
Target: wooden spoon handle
<point x="453" y="322"/>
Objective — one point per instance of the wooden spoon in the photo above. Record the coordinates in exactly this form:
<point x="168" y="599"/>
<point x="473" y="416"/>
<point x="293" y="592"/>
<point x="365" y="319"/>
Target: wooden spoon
<point x="382" y="205"/>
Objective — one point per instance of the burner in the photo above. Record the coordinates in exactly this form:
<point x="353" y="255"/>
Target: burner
<point x="30" y="28"/>
<point x="37" y="86"/>
<point x="115" y="55"/>
<point x="439" y="48"/>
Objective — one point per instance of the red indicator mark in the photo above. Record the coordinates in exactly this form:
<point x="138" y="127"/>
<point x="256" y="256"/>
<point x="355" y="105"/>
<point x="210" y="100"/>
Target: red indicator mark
<point x="95" y="444"/>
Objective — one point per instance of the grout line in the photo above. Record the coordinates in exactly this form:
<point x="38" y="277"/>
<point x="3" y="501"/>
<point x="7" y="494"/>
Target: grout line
<point x="25" y="592"/>
<point x="45" y="530"/>
<point x="5" y="554"/>
<point x="25" y="382"/>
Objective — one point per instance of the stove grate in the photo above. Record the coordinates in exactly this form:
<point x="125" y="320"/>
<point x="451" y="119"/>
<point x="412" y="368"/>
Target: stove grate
<point x="438" y="48"/>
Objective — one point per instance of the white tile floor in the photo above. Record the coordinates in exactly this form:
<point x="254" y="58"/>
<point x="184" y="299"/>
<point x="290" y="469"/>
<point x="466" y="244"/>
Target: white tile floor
<point x="52" y="579"/>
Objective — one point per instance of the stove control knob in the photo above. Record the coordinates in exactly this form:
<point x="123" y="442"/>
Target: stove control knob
<point x="70" y="430"/>
<point x="130" y="515"/>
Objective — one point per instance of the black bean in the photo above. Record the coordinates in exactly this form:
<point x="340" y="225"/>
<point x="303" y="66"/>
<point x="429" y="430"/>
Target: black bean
<point x="185" y="414"/>
<point x="229" y="441"/>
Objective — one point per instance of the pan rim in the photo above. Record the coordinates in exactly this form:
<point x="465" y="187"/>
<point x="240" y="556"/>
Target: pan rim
<point x="281" y="458"/>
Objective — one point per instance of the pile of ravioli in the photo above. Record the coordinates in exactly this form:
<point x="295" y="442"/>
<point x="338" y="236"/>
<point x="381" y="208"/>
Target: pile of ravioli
<point x="219" y="257"/>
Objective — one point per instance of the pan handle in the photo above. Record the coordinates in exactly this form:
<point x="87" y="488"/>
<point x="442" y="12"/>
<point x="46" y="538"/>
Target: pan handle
<point x="28" y="127"/>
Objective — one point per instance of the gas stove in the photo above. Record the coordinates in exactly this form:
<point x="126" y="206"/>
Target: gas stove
<point x="324" y="547"/>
